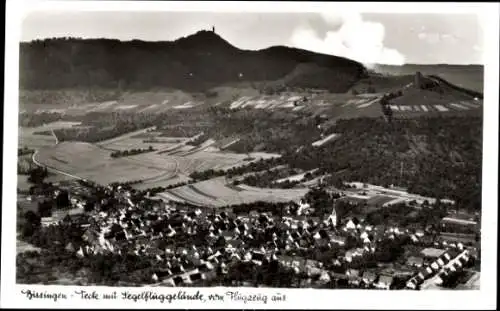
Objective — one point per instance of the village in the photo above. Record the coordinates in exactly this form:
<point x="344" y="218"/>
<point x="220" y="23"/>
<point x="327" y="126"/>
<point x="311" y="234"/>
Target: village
<point x="196" y="246"/>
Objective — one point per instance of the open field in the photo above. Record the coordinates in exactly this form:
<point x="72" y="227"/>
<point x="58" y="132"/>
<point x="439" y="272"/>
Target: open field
<point x="295" y="100"/>
<point x="132" y="135"/>
<point x="335" y="106"/>
<point x="77" y="102"/>
<point x="35" y="141"/>
<point x="142" y="139"/>
<point x="57" y="178"/>
<point x="379" y="200"/>
<point x="216" y="193"/>
<point x="28" y="138"/>
<point x="448" y="108"/>
<point x="89" y="161"/>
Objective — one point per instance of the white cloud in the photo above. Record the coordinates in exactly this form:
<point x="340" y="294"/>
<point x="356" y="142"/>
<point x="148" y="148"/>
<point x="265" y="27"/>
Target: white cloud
<point x="431" y="38"/>
<point x="451" y="38"/>
<point x="355" y="38"/>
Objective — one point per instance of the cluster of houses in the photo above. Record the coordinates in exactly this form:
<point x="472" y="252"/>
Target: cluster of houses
<point x="443" y="265"/>
<point x="193" y="245"/>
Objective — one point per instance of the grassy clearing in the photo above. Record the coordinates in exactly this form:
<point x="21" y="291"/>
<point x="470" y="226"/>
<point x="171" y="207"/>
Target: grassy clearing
<point x="217" y="193"/>
<point x="28" y="138"/>
<point x="89" y="161"/>
<point x="379" y="200"/>
<point x="92" y="162"/>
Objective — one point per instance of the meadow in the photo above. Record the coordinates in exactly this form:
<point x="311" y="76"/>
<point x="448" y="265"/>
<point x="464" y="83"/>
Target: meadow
<point x="29" y="136"/>
<point x="90" y="162"/>
<point x="154" y="169"/>
<point x="216" y="192"/>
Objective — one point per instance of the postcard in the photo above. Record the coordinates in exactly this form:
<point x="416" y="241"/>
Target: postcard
<point x="250" y="155"/>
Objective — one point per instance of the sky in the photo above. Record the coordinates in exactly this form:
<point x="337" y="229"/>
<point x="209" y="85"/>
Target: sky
<point x="393" y="39"/>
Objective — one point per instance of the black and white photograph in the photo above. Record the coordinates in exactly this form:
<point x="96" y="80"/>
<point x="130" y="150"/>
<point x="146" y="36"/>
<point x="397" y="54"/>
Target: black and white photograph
<point x="318" y="149"/>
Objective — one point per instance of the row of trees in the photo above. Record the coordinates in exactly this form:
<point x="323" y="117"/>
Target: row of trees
<point x="65" y="97"/>
<point x="38" y="119"/>
<point x="156" y="190"/>
<point x="131" y="152"/>
<point x="198" y="140"/>
<point x="24" y="151"/>
<point x="25" y="165"/>
<point x="255" y="166"/>
<point x="37" y="175"/>
<point x="101" y="269"/>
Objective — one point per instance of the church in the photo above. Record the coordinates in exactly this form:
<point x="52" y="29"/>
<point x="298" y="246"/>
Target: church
<point x="333" y="220"/>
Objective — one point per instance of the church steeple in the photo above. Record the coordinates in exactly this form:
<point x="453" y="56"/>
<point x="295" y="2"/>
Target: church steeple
<point x="333" y="219"/>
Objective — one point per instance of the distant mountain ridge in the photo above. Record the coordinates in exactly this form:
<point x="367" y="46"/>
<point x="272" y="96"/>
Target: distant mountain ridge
<point x="193" y="63"/>
<point x="464" y="76"/>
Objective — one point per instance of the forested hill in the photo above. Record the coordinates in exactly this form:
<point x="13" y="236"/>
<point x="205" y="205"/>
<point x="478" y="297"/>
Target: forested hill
<point x="192" y="63"/>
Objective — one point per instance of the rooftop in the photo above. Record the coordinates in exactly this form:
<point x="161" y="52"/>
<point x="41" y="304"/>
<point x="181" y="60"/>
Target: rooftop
<point x="432" y="252"/>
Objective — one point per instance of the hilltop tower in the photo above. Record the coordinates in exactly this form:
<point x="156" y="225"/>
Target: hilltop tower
<point x="213" y="29"/>
<point x="417" y="83"/>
